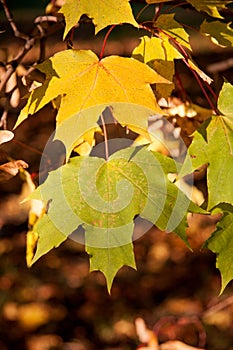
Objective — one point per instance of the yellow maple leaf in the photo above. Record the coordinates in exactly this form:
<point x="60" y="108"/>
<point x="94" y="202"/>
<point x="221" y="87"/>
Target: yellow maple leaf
<point x="151" y="49"/>
<point x="210" y="7"/>
<point x="160" y="54"/>
<point x="83" y="81"/>
<point x="103" y="13"/>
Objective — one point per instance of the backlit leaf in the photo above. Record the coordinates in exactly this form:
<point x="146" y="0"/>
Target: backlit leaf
<point x="210" y="7"/>
<point x="220" y="33"/>
<point x="109" y="260"/>
<point x="160" y="53"/>
<point x="220" y="132"/>
<point x="104" y="13"/>
<point x="221" y="243"/>
<point x="204" y="148"/>
<point x="72" y="131"/>
<point x="104" y="197"/>
<point x="197" y="153"/>
<point x="48" y="237"/>
<point x="151" y="49"/>
<point x="170" y="28"/>
<point x="225" y="99"/>
<point x="83" y="81"/>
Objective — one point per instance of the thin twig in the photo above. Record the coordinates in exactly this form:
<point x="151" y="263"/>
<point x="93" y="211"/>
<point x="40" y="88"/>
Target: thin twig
<point x="105" y="40"/>
<point x="30" y="148"/>
<point x="202" y="88"/>
<point x="3" y="120"/>
<point x="14" y="63"/>
<point x="219" y="306"/>
<point x="157" y="12"/>
<point x="174" y="6"/>
<point x="141" y="11"/>
<point x="11" y="21"/>
<point x="42" y="19"/>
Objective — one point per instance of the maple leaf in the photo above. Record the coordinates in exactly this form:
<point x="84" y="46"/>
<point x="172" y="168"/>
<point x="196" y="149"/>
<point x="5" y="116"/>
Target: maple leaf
<point x="203" y="150"/>
<point x="103" y="13"/>
<point x="210" y="7"/>
<point x="215" y="131"/>
<point x="170" y="28"/>
<point x="109" y="259"/>
<point x="160" y="55"/>
<point x="221" y="243"/>
<point x="225" y="99"/>
<point x="73" y="131"/>
<point x="84" y="81"/>
<point x="104" y="197"/>
<point x="220" y="33"/>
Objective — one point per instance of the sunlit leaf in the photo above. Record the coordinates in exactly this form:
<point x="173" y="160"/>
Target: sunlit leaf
<point x="219" y="33"/>
<point x="160" y="53"/>
<point x="109" y="260"/>
<point x="104" y="197"/>
<point x="204" y="148"/>
<point x="73" y="131"/>
<point x="84" y="81"/>
<point x="221" y="243"/>
<point x="103" y="13"/>
<point x="210" y="7"/>
<point x="225" y="99"/>
<point x="170" y="28"/>
<point x="151" y="49"/>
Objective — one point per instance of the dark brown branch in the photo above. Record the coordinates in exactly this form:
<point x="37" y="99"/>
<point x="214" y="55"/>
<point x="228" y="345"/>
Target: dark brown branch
<point x="14" y="63"/>
<point x="41" y="19"/>
<point x="11" y="21"/>
<point x="30" y="41"/>
<point x="3" y="120"/>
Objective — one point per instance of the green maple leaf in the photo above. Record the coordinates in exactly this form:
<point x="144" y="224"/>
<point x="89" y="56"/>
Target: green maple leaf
<point x="109" y="260"/>
<point x="197" y="152"/>
<point x="104" y="197"/>
<point x="221" y="243"/>
<point x="225" y="99"/>
<point x="104" y="13"/>
<point x="210" y="7"/>
<point x="83" y="81"/>
<point x="219" y="33"/>
<point x="206" y="151"/>
<point x="214" y="133"/>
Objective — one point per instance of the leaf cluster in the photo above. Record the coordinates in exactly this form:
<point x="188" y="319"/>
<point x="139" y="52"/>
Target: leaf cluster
<point x="105" y="192"/>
